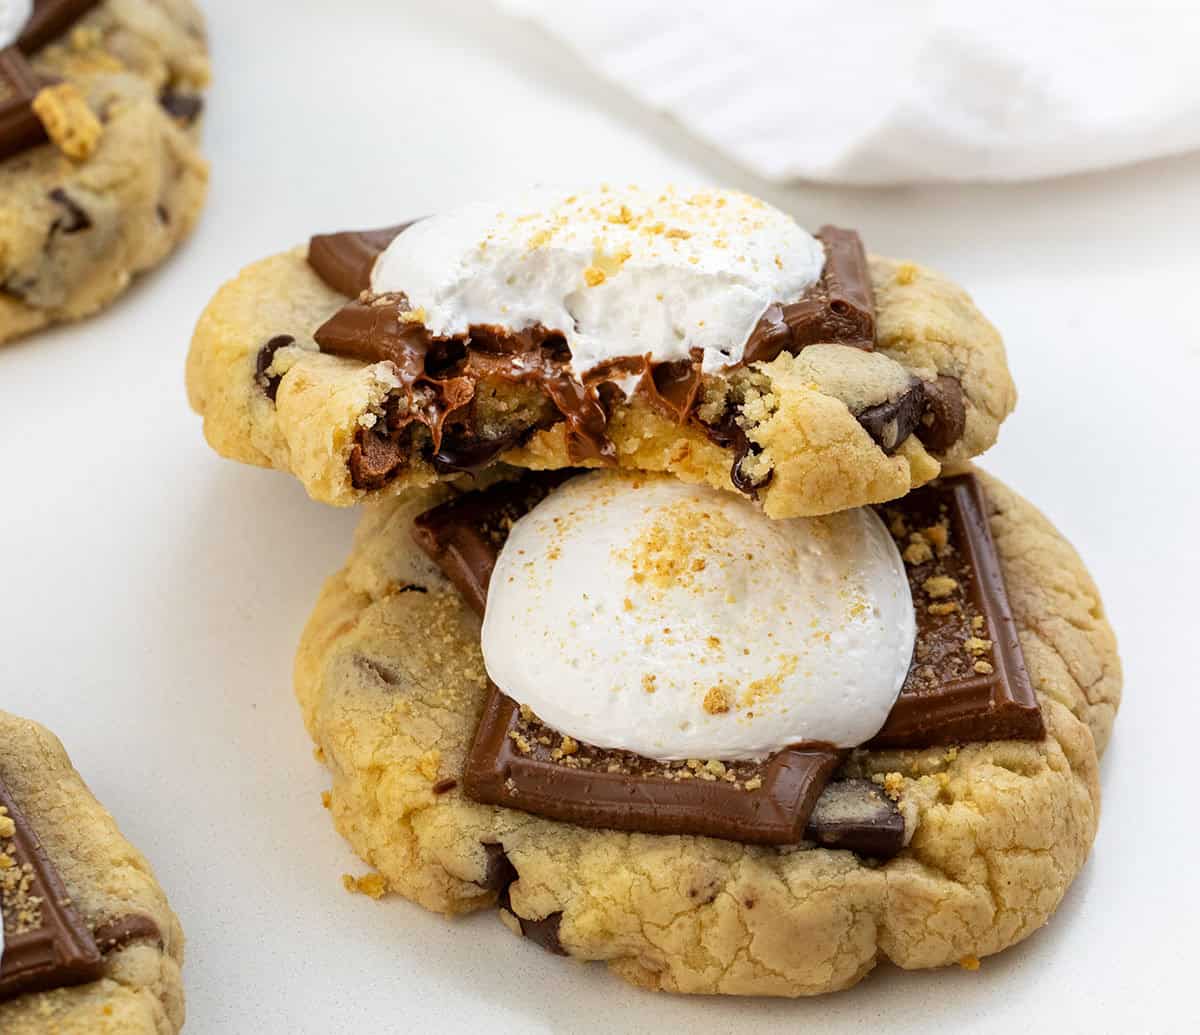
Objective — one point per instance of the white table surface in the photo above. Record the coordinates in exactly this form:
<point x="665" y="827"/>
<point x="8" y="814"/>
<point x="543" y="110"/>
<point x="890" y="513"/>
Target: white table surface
<point x="152" y="594"/>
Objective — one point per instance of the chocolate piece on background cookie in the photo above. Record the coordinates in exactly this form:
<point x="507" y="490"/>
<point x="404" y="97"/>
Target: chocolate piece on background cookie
<point x="20" y="128"/>
<point x="815" y="401"/>
<point x="90" y="943"/>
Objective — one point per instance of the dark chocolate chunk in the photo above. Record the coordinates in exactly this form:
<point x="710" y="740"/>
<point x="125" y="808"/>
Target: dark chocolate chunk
<point x="51" y="18"/>
<point x="968" y="679"/>
<point x="857" y="816"/>
<point x="20" y="128"/>
<point x="74" y="219"/>
<point x="891" y="422"/>
<point x="375" y="459"/>
<point x="269" y="383"/>
<point x="344" y="260"/>
<point x="47" y="943"/>
<point x="729" y="434"/>
<point x="186" y="107"/>
<point x="499" y="872"/>
<point x="945" y="416"/>
<point x="445" y="785"/>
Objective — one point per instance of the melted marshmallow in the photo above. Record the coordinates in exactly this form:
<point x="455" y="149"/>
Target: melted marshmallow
<point x="676" y="621"/>
<point x="13" y="16"/>
<point x="625" y="272"/>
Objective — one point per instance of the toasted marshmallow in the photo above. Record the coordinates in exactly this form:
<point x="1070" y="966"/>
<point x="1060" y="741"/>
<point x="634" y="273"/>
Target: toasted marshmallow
<point x="13" y="16"/>
<point x="622" y="272"/>
<point x="679" y="622"/>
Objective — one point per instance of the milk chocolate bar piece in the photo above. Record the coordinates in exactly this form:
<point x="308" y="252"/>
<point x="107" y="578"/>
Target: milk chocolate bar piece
<point x="47" y="944"/>
<point x="763" y="803"/>
<point x="51" y="18"/>
<point x="20" y="128"/>
<point x="858" y="816"/>
<point x="344" y="260"/>
<point x="968" y="679"/>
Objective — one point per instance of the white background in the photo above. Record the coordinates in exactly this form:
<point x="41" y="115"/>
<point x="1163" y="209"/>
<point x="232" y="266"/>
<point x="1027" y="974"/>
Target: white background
<point x="152" y="595"/>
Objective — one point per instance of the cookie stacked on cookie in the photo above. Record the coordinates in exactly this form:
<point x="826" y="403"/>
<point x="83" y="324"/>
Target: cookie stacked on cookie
<point x="679" y="626"/>
<point x="100" y="170"/>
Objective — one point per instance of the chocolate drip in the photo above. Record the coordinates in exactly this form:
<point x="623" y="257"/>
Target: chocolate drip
<point x="50" y="19"/>
<point x="344" y="260"/>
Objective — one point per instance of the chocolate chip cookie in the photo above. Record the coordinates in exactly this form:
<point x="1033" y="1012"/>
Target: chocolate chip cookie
<point x="951" y="834"/>
<point x="701" y="333"/>
<point x="100" y="170"/>
<point x="89" y="943"/>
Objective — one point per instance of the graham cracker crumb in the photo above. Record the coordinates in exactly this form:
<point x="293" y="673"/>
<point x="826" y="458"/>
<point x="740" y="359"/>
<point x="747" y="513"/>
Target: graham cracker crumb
<point x="69" y="122"/>
<point x="984" y="668"/>
<point x="326" y="800"/>
<point x="893" y="785"/>
<point x="716" y="701"/>
<point x="947" y="608"/>
<point x="906" y="273"/>
<point x="918" y="550"/>
<point x="969" y="963"/>
<point x="939" y="586"/>
<point x="648" y="681"/>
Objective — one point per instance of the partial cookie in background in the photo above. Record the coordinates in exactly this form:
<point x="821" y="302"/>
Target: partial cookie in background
<point x="971" y="850"/>
<point x="90" y="945"/>
<point x="100" y="170"/>
<point x="852" y="389"/>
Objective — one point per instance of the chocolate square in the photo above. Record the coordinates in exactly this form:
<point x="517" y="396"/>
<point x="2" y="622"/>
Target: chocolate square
<point x="51" y="18"/>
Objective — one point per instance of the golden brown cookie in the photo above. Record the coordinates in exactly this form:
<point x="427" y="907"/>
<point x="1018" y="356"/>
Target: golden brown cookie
<point x="391" y="682"/>
<point x="118" y="944"/>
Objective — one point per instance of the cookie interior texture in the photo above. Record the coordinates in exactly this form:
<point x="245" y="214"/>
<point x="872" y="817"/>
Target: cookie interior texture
<point x="269" y="396"/>
<point x="74" y="233"/>
<point x="106" y="879"/>
<point x="391" y="683"/>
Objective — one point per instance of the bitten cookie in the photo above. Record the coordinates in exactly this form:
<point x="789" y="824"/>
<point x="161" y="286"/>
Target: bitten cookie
<point x="90" y="944"/>
<point x="703" y="334"/>
<point x="990" y="834"/>
<point x="100" y="171"/>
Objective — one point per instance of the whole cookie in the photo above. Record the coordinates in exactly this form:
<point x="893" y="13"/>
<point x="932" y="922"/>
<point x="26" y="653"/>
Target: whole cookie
<point x="296" y="371"/>
<point x="90" y="944"/>
<point x="109" y="177"/>
<point x="391" y="683"/>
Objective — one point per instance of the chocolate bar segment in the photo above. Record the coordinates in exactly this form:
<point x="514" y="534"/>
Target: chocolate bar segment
<point x="858" y="816"/>
<point x="51" y="18"/>
<point x="761" y="803"/>
<point x="47" y="944"/>
<point x="968" y="679"/>
<point x="20" y="128"/>
<point x="344" y="260"/>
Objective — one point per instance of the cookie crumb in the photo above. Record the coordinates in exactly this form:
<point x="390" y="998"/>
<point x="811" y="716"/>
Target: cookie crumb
<point x="893" y="785"/>
<point x="326" y="800"/>
<point x="372" y="885"/>
<point x="969" y="963"/>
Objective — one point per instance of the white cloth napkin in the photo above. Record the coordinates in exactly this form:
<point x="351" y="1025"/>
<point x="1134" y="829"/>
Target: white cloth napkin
<point x="904" y="91"/>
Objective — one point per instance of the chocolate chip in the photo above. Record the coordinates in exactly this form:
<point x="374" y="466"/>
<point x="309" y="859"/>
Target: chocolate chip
<point x="375" y="459"/>
<point x="544" y="932"/>
<point x="75" y="220"/>
<point x="266" y="356"/>
<point x="945" y="416"/>
<point x="499" y="872"/>
<point x="891" y="422"/>
<point x="183" y="106"/>
<point x="445" y="786"/>
<point x="411" y="588"/>
<point x="164" y="216"/>
<point x="858" y="816"/>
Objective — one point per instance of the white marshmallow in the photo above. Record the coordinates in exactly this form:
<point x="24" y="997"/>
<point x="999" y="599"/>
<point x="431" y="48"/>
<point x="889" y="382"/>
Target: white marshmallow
<point x="624" y="272"/>
<point x="628" y="612"/>
<point x="13" y="16"/>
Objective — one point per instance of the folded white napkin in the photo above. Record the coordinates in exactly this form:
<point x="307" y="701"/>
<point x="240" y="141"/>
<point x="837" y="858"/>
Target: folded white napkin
<point x="901" y="91"/>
